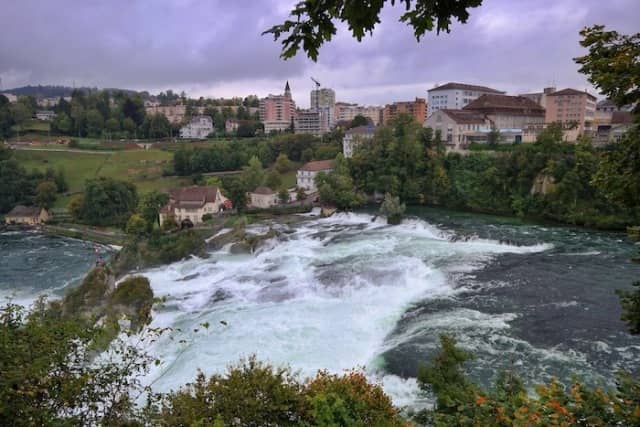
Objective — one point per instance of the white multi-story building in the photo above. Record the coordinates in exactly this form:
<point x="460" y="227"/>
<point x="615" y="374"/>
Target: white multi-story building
<point x="354" y="137"/>
<point x="306" y="176"/>
<point x="455" y="96"/>
<point x="198" y="128"/>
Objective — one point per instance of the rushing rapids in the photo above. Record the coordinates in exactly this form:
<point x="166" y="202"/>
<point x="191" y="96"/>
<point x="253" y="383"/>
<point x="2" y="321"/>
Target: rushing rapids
<point x="349" y="292"/>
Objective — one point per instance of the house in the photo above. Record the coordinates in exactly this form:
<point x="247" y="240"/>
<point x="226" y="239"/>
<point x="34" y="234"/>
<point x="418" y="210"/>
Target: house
<point x="455" y="96"/>
<point x="191" y="203"/>
<point x="198" y="128"/>
<point x="231" y="125"/>
<point x="306" y="175"/>
<point x="263" y="197"/>
<point x="458" y="128"/>
<point x="45" y="115"/>
<point x="26" y="215"/>
<point x="572" y="108"/>
<point x="354" y="137"/>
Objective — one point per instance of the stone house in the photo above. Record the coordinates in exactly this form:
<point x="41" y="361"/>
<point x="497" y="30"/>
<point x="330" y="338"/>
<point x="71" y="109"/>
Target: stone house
<point x="263" y="197"/>
<point x="192" y="203"/>
<point x="26" y="215"/>
<point x="305" y="178"/>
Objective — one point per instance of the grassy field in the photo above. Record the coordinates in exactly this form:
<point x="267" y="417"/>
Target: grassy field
<point x="141" y="167"/>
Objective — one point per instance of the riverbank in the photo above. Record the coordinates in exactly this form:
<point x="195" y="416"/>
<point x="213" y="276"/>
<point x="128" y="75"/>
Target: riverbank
<point x="75" y="231"/>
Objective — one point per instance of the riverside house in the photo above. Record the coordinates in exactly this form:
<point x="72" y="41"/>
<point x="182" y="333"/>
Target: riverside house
<point x="263" y="197"/>
<point x="26" y="215"/>
<point x="190" y="204"/>
<point x="306" y="175"/>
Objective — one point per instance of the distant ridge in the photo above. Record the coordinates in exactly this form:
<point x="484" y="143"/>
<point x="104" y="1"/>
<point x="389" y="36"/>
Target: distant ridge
<point x="51" y="91"/>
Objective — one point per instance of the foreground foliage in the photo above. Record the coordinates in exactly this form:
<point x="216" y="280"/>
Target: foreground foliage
<point x="312" y="22"/>
<point x="252" y="393"/>
<point x="460" y="402"/>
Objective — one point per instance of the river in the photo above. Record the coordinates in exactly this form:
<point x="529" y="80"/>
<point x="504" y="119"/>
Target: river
<point x="349" y="291"/>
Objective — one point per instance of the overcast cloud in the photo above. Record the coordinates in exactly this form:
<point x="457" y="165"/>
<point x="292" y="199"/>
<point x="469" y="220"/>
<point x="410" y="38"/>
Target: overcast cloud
<point x="215" y="48"/>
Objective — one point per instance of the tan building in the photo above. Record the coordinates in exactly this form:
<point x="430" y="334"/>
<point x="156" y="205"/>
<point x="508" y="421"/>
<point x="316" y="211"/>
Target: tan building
<point x="458" y="128"/>
<point x="263" y="197"/>
<point x="173" y="113"/>
<point x="512" y="116"/>
<point x="347" y="112"/>
<point x="26" y="215"/>
<point x="571" y="107"/>
<point x="306" y="176"/>
<point x="417" y="109"/>
<point x="191" y="203"/>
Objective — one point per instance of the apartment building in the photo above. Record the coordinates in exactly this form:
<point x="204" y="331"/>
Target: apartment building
<point x="455" y="96"/>
<point x="277" y="112"/>
<point x="572" y="108"/>
<point x="346" y="112"/>
<point x="417" y="109"/>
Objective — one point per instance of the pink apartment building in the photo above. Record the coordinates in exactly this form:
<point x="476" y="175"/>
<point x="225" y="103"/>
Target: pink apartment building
<point x="277" y="111"/>
<point x="571" y="106"/>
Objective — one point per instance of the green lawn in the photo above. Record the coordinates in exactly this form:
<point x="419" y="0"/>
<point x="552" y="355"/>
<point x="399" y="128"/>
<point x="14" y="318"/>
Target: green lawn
<point x="141" y="167"/>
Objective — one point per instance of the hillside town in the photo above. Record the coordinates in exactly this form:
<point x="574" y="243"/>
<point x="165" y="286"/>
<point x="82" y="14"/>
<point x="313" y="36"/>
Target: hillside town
<point x="464" y="115"/>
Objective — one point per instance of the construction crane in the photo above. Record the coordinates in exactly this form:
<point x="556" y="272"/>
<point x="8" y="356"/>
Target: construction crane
<point x="317" y="93"/>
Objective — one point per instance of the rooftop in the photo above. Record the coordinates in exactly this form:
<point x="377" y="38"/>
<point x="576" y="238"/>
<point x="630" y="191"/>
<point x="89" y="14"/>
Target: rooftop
<point x="361" y="130"/>
<point x="318" y="165"/>
<point x="465" y="117"/>
<point x="22" y="211"/>
<point x="464" y="86"/>
<point x="266" y="191"/>
<point x="513" y="104"/>
<point x="569" y="91"/>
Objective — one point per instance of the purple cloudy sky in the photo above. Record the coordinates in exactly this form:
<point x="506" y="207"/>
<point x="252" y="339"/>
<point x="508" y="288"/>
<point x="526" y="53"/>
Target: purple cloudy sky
<point x="214" y="48"/>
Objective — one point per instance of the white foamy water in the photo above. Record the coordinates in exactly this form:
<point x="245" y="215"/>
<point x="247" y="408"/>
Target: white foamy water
<point x="326" y="296"/>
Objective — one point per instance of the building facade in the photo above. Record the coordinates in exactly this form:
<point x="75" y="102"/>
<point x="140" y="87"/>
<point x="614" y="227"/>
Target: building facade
<point x="540" y="97"/>
<point x="346" y="112"/>
<point x="45" y="115"/>
<point x="306" y="175"/>
<point x="354" y="137"/>
<point x="263" y="197"/>
<point x="509" y="113"/>
<point x="277" y="112"/>
<point x="417" y="109"/>
<point x="324" y="101"/>
<point x="458" y="128"/>
<point x="192" y="203"/>
<point x="455" y="96"/>
<point x="26" y="215"/>
<point x="572" y="108"/>
<point x="198" y="128"/>
<point x="173" y="113"/>
<point x="311" y="122"/>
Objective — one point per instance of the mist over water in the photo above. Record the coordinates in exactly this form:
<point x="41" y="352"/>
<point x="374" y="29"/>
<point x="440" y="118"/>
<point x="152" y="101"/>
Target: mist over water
<point x="348" y="292"/>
